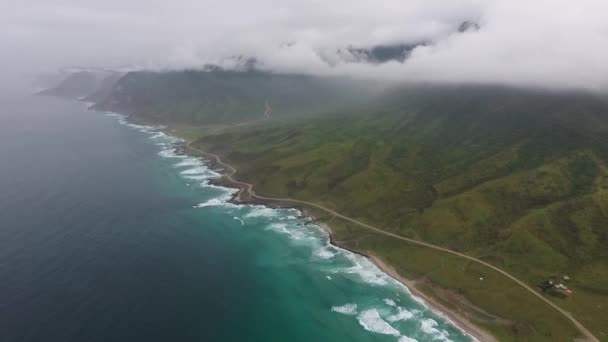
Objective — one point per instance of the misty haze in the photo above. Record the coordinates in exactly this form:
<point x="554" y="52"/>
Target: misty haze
<point x="387" y="171"/>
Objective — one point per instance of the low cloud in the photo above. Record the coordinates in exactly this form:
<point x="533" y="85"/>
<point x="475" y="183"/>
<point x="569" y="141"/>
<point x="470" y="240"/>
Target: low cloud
<point x="555" y="44"/>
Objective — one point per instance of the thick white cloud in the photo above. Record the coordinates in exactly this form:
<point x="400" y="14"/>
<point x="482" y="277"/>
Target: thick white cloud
<point x="553" y="43"/>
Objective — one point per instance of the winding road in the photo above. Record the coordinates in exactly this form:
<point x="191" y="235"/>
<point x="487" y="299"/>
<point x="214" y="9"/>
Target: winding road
<point x="232" y="171"/>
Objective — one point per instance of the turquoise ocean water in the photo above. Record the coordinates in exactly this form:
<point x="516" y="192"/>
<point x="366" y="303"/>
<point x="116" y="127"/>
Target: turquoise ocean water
<point x="107" y="235"/>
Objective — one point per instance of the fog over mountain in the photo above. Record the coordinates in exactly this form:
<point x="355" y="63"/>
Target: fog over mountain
<point x="556" y="44"/>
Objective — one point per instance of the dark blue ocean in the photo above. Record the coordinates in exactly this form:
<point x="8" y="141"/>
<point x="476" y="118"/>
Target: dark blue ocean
<point x="106" y="235"/>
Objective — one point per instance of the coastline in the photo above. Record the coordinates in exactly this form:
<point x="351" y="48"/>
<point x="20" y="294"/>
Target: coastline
<point x="458" y="320"/>
<point x="455" y="318"/>
<point x="441" y="294"/>
<point x="242" y="197"/>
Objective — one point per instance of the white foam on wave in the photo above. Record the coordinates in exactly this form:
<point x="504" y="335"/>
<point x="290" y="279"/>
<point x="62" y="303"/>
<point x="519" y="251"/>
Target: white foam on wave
<point x="189" y="162"/>
<point x="428" y="326"/>
<point x="370" y="320"/>
<point x="279" y="227"/>
<point x="346" y="309"/>
<point x="123" y="120"/>
<point x="259" y="211"/>
<point x="294" y="234"/>
<point x="205" y="183"/>
<point x="214" y="202"/>
<point x="170" y="153"/>
<point x="406" y="339"/>
<point x="159" y="135"/>
<point x="222" y="200"/>
<point x="389" y="302"/>
<point x="401" y="315"/>
<point x="325" y="252"/>
<point x="365" y="269"/>
<point x="114" y="115"/>
<point x="198" y="178"/>
<point x="198" y="170"/>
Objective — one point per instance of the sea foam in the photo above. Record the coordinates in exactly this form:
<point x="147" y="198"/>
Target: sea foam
<point x="370" y="320"/>
<point x="222" y="200"/>
<point x="401" y="315"/>
<point x="365" y="269"/>
<point x="389" y="302"/>
<point x="428" y="326"/>
<point x="346" y="309"/>
<point x="260" y="211"/>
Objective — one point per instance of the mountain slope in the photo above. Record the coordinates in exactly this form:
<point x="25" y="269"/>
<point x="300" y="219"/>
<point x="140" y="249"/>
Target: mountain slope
<point x="104" y="88"/>
<point x="75" y="85"/>
<point x="216" y="96"/>
<point x="516" y="177"/>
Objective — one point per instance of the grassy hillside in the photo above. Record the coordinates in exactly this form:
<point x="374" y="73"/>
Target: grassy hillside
<point x="517" y="178"/>
<point x="218" y="96"/>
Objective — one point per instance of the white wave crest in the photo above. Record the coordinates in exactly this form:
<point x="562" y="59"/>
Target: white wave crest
<point x="214" y="202"/>
<point x="159" y="135"/>
<point x="260" y="211"/>
<point x="406" y="339"/>
<point x="389" y="302"/>
<point x="346" y="309"/>
<point x="114" y="115"/>
<point x="189" y="162"/>
<point x="292" y="233"/>
<point x="368" y="272"/>
<point x="370" y="320"/>
<point x="195" y="171"/>
<point x="170" y="153"/>
<point x="401" y="315"/>
<point x="222" y="200"/>
<point x="428" y="326"/>
<point x="325" y="253"/>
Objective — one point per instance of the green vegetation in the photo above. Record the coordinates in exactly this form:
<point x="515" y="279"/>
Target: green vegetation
<point x="516" y="178"/>
<point x="219" y="96"/>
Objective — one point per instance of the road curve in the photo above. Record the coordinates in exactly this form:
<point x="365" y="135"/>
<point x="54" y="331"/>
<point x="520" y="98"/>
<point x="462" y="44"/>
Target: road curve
<point x="232" y="171"/>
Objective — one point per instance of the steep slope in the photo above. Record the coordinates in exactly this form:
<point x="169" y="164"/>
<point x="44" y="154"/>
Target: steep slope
<point x="216" y="96"/>
<point x="105" y="88"/>
<point x="76" y="85"/>
<point x="516" y="177"/>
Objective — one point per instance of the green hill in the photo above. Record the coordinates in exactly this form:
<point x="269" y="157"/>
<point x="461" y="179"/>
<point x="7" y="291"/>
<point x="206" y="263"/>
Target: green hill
<point x="515" y="177"/>
<point x="219" y="96"/>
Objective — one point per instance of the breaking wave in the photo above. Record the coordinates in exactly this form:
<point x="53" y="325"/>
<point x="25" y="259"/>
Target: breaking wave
<point x="222" y="200"/>
<point x="428" y="326"/>
<point x="366" y="270"/>
<point x="346" y="309"/>
<point x="370" y="320"/>
<point x="401" y="315"/>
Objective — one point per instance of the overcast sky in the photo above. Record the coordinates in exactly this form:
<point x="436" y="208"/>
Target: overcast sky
<point x="553" y="43"/>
